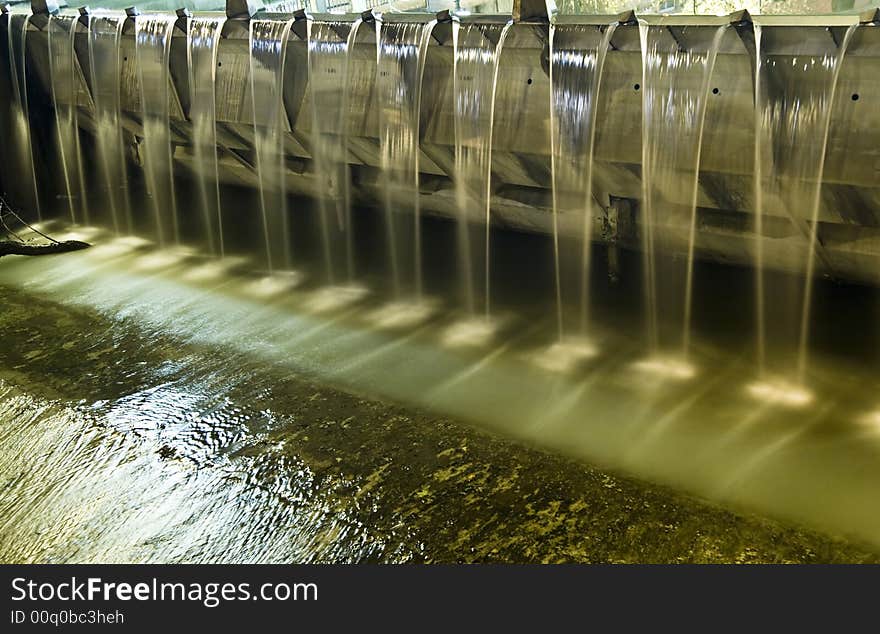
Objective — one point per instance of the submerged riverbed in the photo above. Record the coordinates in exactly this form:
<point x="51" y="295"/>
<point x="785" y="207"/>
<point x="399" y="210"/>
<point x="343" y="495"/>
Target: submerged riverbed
<point x="120" y="443"/>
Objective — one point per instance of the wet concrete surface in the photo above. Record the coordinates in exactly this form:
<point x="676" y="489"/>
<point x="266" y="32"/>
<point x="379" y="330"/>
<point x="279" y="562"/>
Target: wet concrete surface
<point x="119" y="443"/>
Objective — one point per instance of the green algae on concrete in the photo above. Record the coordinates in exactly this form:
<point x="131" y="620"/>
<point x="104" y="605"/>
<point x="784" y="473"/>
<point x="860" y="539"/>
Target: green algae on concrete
<point x="174" y="452"/>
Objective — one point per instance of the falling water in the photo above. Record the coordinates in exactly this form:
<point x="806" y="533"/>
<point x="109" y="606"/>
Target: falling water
<point x="63" y="97"/>
<point x="203" y="39"/>
<point x="794" y="95"/>
<point x="329" y="47"/>
<point x="268" y="44"/>
<point x="104" y="33"/>
<point x="20" y="112"/>
<point x="153" y="45"/>
<point x="138" y="365"/>
<point x="760" y="318"/>
<point x="575" y="80"/>
<point x="694" y="185"/>
<point x="401" y="63"/>
<point x="675" y="91"/>
<point x="64" y="73"/>
<point x="475" y="75"/>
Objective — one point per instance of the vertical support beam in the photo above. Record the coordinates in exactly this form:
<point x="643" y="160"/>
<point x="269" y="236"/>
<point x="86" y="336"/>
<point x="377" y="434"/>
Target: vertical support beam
<point x="618" y="227"/>
<point x="741" y="21"/>
<point x="178" y="62"/>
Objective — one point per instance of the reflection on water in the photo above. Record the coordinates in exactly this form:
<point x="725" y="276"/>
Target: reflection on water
<point x="666" y="367"/>
<point x="704" y="426"/>
<point x="780" y="392"/>
<point x="169" y="503"/>
<point x="566" y="355"/>
<point x="129" y="445"/>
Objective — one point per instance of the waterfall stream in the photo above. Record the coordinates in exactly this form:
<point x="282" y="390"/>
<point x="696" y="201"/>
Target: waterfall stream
<point x="268" y="48"/>
<point x="21" y="125"/>
<point x="475" y="75"/>
<point x="104" y="33"/>
<point x="400" y="64"/>
<point x="153" y="46"/>
<point x="330" y="47"/>
<point x="794" y="95"/>
<point x="576" y="79"/>
<point x="203" y="40"/>
<point x="675" y="90"/>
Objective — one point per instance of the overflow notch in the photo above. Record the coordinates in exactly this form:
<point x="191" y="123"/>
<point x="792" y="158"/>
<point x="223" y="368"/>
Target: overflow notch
<point x="627" y="18"/>
<point x="183" y="15"/>
<point x="45" y="7"/>
<point x="442" y="31"/>
<point x="241" y="9"/>
<point x="300" y="24"/>
<point x="871" y="17"/>
<point x="740" y="19"/>
<point x="533" y="10"/>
